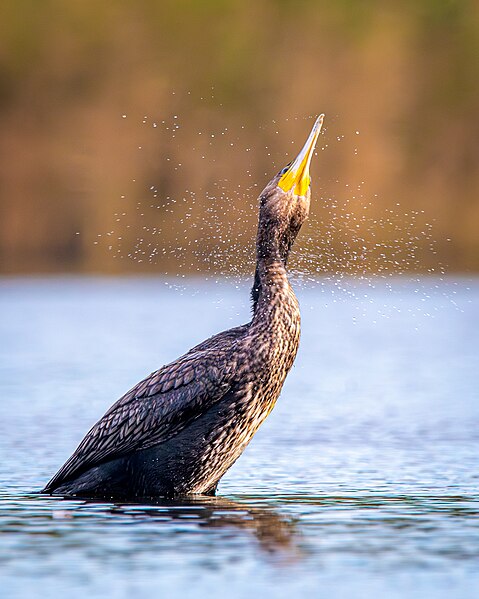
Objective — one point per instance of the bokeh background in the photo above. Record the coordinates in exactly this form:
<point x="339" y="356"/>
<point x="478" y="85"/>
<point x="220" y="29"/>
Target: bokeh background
<point x="135" y="136"/>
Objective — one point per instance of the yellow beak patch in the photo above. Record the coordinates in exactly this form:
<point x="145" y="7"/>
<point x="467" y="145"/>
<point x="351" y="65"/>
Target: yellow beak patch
<point x="297" y="177"/>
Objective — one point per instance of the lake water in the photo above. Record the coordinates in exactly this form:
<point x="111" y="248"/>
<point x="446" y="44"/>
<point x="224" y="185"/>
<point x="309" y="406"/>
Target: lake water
<point x="363" y="482"/>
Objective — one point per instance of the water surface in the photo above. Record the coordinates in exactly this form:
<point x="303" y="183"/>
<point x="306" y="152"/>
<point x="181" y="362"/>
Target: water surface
<point x="363" y="482"/>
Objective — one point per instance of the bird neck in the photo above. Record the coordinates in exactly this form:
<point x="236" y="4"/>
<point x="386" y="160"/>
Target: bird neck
<point x="271" y="293"/>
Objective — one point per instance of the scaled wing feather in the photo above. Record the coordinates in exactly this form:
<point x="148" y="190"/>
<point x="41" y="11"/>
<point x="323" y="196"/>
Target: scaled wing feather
<point x="155" y="410"/>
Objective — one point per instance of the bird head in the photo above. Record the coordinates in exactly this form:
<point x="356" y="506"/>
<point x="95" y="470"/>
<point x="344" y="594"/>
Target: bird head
<point x="285" y="200"/>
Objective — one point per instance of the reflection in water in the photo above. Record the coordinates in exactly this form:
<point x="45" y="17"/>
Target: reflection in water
<point x="33" y="514"/>
<point x="289" y="525"/>
<point x="300" y="537"/>
<point x="273" y="531"/>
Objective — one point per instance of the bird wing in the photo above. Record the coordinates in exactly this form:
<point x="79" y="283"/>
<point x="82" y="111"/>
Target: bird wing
<point x="157" y="408"/>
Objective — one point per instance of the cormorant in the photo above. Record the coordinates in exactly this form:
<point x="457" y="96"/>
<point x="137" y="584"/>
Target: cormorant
<point x="180" y="429"/>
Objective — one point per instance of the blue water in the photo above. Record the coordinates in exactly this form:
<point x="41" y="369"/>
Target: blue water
<point x="363" y="482"/>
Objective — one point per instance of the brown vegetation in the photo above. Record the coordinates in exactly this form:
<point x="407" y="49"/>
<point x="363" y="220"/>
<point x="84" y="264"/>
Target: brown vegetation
<point x="230" y="84"/>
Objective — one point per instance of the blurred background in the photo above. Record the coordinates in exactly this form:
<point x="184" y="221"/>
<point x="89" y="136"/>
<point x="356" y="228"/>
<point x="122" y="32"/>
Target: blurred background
<point x="135" y="136"/>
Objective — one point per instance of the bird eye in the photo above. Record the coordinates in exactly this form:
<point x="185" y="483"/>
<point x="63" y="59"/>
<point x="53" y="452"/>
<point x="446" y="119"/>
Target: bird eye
<point x="285" y="169"/>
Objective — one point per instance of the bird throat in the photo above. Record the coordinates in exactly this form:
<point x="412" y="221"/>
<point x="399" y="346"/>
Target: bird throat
<point x="271" y="259"/>
<point x="271" y="292"/>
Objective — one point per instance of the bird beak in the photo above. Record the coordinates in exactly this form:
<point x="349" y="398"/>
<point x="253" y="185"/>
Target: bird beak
<point x="297" y="177"/>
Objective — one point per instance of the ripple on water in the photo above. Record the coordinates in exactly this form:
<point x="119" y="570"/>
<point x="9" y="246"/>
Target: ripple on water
<point x="363" y="481"/>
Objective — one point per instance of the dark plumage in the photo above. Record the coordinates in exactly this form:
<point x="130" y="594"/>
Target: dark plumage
<point x="180" y="429"/>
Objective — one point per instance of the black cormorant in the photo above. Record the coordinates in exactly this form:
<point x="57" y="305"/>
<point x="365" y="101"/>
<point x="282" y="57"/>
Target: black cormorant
<point x="180" y="429"/>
